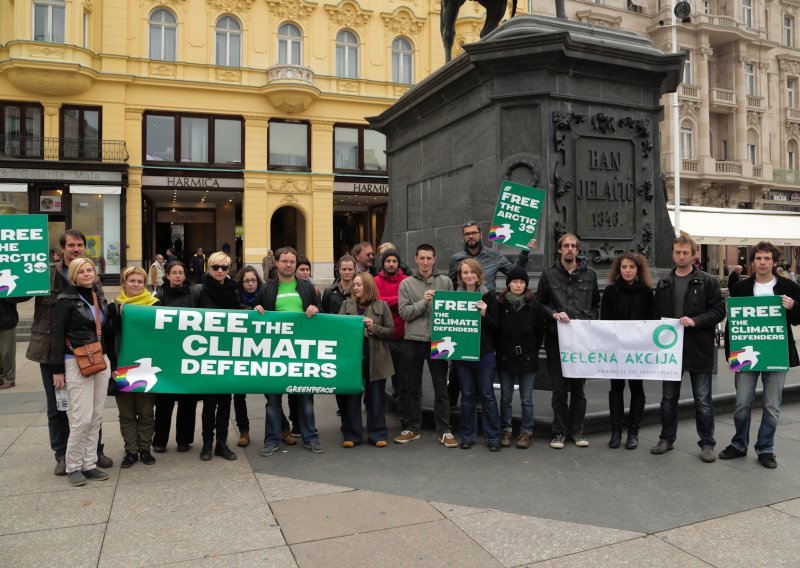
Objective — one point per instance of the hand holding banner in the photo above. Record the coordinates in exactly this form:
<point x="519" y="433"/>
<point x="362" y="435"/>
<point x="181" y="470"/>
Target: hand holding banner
<point x="757" y="334"/>
<point x="199" y="351"/>
<point x="456" y="326"/>
<point x="516" y="216"/>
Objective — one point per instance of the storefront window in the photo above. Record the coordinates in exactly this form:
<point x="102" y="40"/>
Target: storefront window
<point x="98" y="215"/>
<point x="288" y="145"/>
<point x="14" y="202"/>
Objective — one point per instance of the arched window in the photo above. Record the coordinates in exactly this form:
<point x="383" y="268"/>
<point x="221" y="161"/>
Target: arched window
<point x="163" y="35"/>
<point x="48" y="20"/>
<point x="752" y="147"/>
<point x="290" y="44"/>
<point x="347" y="55"/>
<point x="791" y="155"/>
<point x="229" y="42"/>
<point x="402" y="61"/>
<point x="687" y="140"/>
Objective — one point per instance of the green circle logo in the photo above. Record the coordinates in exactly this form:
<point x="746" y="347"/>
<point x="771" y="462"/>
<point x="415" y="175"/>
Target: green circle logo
<point x="657" y="336"/>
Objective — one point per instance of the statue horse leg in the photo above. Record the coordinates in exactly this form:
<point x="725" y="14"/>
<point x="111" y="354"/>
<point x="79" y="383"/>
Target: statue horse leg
<point x="449" y="14"/>
<point x="494" y="13"/>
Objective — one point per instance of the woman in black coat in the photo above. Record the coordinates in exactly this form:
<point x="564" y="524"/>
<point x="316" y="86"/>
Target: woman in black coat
<point x="628" y="297"/>
<point x="175" y="293"/>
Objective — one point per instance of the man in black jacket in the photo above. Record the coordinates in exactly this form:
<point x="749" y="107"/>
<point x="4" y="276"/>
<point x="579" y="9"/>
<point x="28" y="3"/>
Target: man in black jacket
<point x="694" y="298"/>
<point x="764" y="259"/>
<point x="567" y="291"/>
<point x="287" y="293"/>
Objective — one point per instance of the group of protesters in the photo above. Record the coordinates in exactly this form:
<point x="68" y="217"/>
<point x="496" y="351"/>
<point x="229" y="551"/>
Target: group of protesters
<point x="395" y="305"/>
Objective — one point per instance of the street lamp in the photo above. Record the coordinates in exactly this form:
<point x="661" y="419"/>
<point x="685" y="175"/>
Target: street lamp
<point x="680" y="11"/>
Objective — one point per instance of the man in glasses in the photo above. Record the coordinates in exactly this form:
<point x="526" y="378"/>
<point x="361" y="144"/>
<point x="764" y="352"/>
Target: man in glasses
<point x="491" y="261"/>
<point x="288" y="293"/>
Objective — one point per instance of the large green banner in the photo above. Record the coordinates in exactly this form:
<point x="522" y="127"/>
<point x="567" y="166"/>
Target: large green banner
<point x="456" y="326"/>
<point x="199" y="351"/>
<point x="757" y="334"/>
<point x="24" y="256"/>
<point x="516" y="216"/>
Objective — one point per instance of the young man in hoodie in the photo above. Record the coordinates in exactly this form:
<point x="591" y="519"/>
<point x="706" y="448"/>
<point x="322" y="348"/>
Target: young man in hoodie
<point x="415" y="299"/>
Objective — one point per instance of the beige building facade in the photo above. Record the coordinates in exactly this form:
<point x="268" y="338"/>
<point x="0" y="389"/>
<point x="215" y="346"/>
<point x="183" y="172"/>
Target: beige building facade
<point x="240" y="124"/>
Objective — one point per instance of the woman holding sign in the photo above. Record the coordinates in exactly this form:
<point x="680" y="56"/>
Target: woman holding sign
<point x="629" y="297"/>
<point x="79" y="312"/>
<point x="376" y="364"/>
<point x="480" y="373"/>
<point x="136" y="409"/>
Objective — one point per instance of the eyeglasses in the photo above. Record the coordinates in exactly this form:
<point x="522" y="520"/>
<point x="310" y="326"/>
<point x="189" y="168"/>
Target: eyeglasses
<point x="471" y="233"/>
<point x="250" y="281"/>
<point x="222" y="267"/>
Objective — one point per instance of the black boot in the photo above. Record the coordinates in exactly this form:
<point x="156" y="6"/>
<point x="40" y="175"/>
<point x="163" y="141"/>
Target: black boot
<point x="205" y="453"/>
<point x="637" y="411"/>
<point x="616" y="438"/>
<point x="632" y="441"/>
<point x="616" y="407"/>
<point x="224" y="451"/>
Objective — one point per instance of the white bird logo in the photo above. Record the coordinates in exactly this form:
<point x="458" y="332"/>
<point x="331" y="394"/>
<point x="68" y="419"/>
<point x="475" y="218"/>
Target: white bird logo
<point x="7" y="281"/>
<point x="749" y="355"/>
<point x="446" y="345"/>
<point x="503" y="232"/>
<point x="144" y="373"/>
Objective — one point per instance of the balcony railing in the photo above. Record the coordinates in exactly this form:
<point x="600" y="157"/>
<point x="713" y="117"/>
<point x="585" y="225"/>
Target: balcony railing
<point x="729" y="168"/>
<point x="690" y="91"/>
<point x="72" y="149"/>
<point x="791" y="177"/>
<point x="758" y="172"/>
<point x="723" y="97"/>
<point x="690" y="165"/>
<point x="793" y="114"/>
<point x="755" y="102"/>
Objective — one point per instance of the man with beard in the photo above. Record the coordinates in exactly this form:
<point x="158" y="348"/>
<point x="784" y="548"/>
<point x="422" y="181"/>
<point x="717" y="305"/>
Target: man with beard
<point x="73" y="245"/>
<point x="388" y="282"/>
<point x="567" y="291"/>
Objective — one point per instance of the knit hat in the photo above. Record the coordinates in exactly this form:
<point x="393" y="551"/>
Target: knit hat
<point x="517" y="274"/>
<point x="389" y="253"/>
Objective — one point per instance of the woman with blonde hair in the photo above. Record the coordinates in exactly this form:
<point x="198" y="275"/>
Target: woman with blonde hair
<point x="216" y="290"/>
<point x="376" y="364"/>
<point x="136" y="409"/>
<point x="78" y="313"/>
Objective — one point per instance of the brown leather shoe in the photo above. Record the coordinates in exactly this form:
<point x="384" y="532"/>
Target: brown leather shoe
<point x="4" y="386"/>
<point x="524" y="441"/>
<point x="244" y="440"/>
<point x="288" y="439"/>
<point x="505" y="439"/>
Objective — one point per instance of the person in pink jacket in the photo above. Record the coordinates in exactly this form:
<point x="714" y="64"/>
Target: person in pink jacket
<point x="388" y="281"/>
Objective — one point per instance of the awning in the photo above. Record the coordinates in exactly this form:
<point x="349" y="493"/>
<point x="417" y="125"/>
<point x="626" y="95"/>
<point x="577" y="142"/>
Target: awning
<point x="13" y="187"/>
<point x="740" y="227"/>
<point x="96" y="189"/>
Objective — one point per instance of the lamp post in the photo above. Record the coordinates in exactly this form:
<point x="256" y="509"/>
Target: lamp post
<point x="676" y="130"/>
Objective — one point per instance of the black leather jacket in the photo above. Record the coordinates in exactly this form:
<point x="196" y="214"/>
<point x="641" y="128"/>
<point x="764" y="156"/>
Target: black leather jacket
<point x="73" y="320"/>
<point x="577" y="294"/>
<point x="705" y="305"/>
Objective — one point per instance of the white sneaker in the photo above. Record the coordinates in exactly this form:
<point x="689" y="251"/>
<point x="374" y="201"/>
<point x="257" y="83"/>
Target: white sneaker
<point x="558" y="442"/>
<point x="448" y="440"/>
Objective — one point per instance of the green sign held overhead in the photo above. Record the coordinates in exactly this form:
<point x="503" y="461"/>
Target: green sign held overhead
<point x="24" y="262"/>
<point x="516" y="216"/>
<point x="757" y="334"/>
<point x="456" y="326"/>
<point x="198" y="351"/>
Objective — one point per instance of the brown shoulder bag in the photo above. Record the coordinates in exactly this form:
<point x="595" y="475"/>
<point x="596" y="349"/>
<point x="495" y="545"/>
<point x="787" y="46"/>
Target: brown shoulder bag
<point x="90" y="357"/>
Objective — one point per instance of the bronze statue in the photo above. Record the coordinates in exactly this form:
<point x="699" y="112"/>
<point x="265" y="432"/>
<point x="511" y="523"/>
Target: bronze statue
<point x="495" y="9"/>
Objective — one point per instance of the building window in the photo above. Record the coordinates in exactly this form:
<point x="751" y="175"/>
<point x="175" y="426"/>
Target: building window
<point x="747" y="13"/>
<point x="163" y="35"/>
<point x="229" y="42"/>
<point x="790" y="94"/>
<point x="791" y="155"/>
<point x="289" y="145"/>
<point x="290" y="44"/>
<point x="358" y="148"/>
<point x="346" y="55"/>
<point x="402" y="61"/>
<point x="21" y="127"/>
<point x="752" y="145"/>
<point x="687" y="141"/>
<point x="81" y="133"/>
<point x="788" y="36"/>
<point x="750" y="79"/>
<point x="687" y="67"/>
<point x="86" y="30"/>
<point x="48" y="20"/>
<point x="201" y="139"/>
<point x="724" y="150"/>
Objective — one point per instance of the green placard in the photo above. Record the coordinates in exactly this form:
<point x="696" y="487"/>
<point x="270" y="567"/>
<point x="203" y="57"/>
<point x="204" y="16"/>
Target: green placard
<point x="757" y="334"/>
<point x="197" y="351"/>
<point x="516" y="216"/>
<point x="456" y="326"/>
<point x="24" y="256"/>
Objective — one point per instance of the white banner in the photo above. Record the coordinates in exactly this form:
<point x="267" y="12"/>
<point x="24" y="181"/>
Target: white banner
<point x="651" y="349"/>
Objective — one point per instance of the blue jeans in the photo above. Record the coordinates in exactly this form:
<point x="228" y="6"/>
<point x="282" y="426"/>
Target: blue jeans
<point x="526" y="382"/>
<point x="275" y="419"/>
<point x="745" y="392"/>
<point x="469" y="378"/>
<point x="703" y="407"/>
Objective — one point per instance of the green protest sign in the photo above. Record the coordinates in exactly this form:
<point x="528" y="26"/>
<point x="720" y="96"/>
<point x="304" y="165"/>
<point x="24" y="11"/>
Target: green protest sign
<point x="516" y="216"/>
<point x="24" y="256"/>
<point x="456" y="326"/>
<point x="757" y="334"/>
<point x="198" y="351"/>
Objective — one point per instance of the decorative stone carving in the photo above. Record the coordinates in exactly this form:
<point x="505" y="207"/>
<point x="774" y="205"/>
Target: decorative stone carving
<point x="46" y="50"/>
<point x="598" y="19"/>
<point x="347" y="15"/>
<point x="289" y="198"/>
<point x="290" y="74"/>
<point x="705" y="52"/>
<point x="231" y="5"/>
<point x="61" y="82"/>
<point x="229" y="75"/>
<point x="291" y="9"/>
<point x="789" y="66"/>
<point x="603" y="122"/>
<point x="347" y="86"/>
<point x="792" y="129"/>
<point x="400" y="90"/>
<point x="287" y="185"/>
<point x="162" y="69"/>
<point x="88" y="5"/>
<point x="689" y="108"/>
<point x="605" y="253"/>
<point x="403" y="22"/>
<point x="754" y="118"/>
